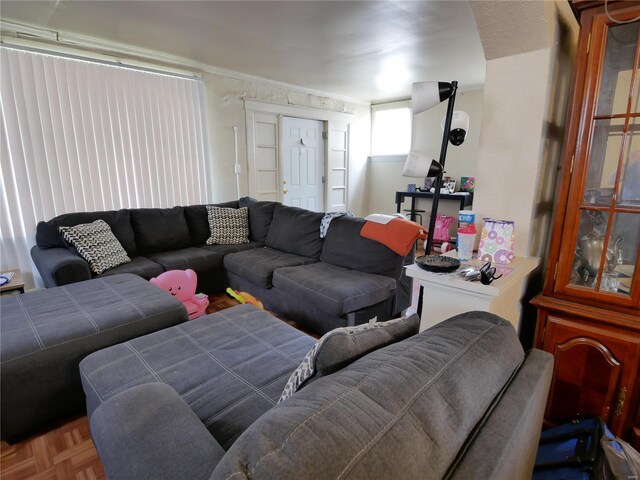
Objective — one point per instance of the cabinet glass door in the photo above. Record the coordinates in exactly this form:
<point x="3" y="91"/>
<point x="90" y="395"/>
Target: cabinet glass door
<point x="606" y="231"/>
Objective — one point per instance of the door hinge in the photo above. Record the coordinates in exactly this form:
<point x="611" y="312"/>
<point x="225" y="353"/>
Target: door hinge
<point x="555" y="272"/>
<point x="325" y="135"/>
<point x="588" y="43"/>
<point x="573" y="157"/>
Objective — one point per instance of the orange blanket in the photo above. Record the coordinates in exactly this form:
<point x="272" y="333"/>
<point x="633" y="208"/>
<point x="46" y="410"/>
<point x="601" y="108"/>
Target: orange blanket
<point x="399" y="234"/>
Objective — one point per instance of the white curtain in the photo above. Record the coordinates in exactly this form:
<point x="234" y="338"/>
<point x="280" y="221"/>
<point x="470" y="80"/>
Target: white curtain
<point x="84" y="136"/>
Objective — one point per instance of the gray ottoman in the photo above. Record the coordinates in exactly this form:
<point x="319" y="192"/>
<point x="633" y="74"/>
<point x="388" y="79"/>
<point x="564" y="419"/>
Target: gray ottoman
<point x="230" y="367"/>
<point x="44" y="334"/>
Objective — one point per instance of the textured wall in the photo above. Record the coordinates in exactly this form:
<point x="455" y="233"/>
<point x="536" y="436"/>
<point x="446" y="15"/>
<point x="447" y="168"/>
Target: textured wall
<point x="525" y="100"/>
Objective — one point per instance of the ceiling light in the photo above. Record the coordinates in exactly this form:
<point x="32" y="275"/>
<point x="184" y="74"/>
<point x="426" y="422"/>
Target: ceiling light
<point x="394" y="76"/>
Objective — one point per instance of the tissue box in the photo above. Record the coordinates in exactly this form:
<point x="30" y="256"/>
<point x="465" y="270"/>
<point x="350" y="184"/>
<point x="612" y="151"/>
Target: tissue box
<point x="496" y="241"/>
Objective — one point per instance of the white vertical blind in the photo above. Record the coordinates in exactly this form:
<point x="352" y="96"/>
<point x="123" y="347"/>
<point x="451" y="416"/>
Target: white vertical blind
<point x="83" y="136"/>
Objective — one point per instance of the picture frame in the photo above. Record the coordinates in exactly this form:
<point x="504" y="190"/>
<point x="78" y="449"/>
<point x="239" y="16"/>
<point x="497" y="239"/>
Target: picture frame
<point x="467" y="184"/>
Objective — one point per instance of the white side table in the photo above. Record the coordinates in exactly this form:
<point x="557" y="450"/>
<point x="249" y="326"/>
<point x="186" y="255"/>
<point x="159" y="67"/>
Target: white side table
<point x="448" y="295"/>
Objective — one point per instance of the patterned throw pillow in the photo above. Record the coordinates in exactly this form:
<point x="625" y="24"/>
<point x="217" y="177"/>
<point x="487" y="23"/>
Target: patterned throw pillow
<point x="96" y="243"/>
<point x="229" y="226"/>
<point x="342" y="346"/>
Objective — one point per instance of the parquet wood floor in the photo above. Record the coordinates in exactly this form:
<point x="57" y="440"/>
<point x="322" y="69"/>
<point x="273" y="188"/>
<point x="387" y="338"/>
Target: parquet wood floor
<point x="61" y="454"/>
<point x="67" y="452"/>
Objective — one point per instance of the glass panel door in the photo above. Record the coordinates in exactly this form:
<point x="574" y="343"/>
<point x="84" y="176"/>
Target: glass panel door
<point x="607" y="228"/>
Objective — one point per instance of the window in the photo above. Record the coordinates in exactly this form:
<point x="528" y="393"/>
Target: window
<point x="391" y="129"/>
<point x="79" y="135"/>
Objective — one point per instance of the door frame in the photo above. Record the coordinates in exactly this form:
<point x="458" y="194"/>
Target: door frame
<point x="252" y="107"/>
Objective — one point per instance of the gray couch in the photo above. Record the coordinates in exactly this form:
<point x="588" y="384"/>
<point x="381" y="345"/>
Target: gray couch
<point x="45" y="333"/>
<point x="460" y="400"/>
<point x="344" y="279"/>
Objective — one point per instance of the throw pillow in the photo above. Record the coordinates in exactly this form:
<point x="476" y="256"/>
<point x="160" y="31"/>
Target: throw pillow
<point x="342" y="346"/>
<point x="229" y="226"/>
<point x="96" y="243"/>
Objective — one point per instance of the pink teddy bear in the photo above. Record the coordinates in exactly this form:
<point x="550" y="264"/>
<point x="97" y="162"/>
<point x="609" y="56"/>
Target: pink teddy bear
<point x="182" y="285"/>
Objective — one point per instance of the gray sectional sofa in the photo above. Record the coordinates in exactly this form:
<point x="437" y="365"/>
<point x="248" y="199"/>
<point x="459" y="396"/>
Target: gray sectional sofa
<point x="343" y="279"/>
<point x="460" y="400"/>
<point x="45" y="333"/>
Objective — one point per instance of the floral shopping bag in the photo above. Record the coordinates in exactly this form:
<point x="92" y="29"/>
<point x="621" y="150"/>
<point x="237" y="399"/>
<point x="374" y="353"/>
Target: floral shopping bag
<point x="496" y="241"/>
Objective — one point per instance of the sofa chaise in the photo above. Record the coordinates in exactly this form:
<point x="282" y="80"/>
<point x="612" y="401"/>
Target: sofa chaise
<point x="460" y="400"/>
<point x="343" y="279"/>
<point x="45" y="333"/>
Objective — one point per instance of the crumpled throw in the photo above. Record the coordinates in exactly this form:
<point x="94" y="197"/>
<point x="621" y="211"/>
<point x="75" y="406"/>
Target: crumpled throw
<point x="326" y="220"/>
<point x="398" y="234"/>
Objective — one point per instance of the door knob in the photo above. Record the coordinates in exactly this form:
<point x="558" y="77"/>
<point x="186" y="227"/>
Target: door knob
<point x="285" y="191"/>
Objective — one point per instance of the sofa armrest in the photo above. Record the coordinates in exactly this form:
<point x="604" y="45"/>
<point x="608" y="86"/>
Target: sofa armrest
<point x="509" y="435"/>
<point x="149" y="432"/>
<point x="60" y="266"/>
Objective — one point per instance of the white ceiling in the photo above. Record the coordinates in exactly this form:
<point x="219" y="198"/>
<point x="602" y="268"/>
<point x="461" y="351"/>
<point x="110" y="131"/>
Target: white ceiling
<point x="368" y="50"/>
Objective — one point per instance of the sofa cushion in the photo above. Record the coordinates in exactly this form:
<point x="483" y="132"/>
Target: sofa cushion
<point x="260" y="217"/>
<point x="333" y="289"/>
<point x="198" y="222"/>
<point x="227" y="249"/>
<point x="398" y="412"/>
<point x="160" y="229"/>
<point x="295" y="230"/>
<point x="141" y="266"/>
<point x="257" y="265"/>
<point x="96" y="243"/>
<point x="228" y="226"/>
<point x="48" y="235"/>
<point x="195" y="258"/>
<point x="230" y="367"/>
<point x="342" y="346"/>
<point x="343" y="246"/>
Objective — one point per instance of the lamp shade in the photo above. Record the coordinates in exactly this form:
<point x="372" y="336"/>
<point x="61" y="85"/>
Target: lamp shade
<point x="459" y="127"/>
<point x="425" y="95"/>
<point x="420" y="165"/>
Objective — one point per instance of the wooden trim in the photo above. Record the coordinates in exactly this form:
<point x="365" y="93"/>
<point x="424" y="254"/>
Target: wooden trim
<point x="583" y="148"/>
<point x="562" y="188"/>
<point x="578" y="6"/>
<point x="569" y="205"/>
<point x="587" y="311"/>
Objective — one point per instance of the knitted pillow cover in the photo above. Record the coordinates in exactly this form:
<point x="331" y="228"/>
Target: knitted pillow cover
<point x="342" y="346"/>
<point x="228" y="226"/>
<point x="96" y="243"/>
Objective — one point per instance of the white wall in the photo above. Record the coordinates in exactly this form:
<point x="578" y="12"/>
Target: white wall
<point x="527" y="89"/>
<point x="384" y="175"/>
<point x="225" y="98"/>
<point x="525" y="102"/>
<point x="512" y="140"/>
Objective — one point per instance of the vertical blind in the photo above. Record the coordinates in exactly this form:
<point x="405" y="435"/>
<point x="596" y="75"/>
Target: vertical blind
<point x="85" y="136"/>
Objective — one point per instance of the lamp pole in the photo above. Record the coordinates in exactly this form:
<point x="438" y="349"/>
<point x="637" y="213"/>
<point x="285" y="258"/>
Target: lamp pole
<point x="443" y="155"/>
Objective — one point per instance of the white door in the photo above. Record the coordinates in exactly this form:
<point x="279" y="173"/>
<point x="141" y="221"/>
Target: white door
<point x="303" y="163"/>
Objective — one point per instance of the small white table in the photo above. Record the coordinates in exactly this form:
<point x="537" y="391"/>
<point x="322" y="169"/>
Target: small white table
<point x="448" y="295"/>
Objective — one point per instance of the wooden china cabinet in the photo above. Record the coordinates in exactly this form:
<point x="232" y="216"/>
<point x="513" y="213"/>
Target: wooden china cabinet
<point x="589" y="310"/>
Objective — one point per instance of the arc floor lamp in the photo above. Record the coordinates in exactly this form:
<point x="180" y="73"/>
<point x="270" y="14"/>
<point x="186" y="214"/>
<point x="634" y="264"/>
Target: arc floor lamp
<point x="425" y="95"/>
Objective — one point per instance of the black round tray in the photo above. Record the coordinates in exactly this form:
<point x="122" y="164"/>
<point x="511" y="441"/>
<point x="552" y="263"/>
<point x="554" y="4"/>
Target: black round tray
<point x="438" y="263"/>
